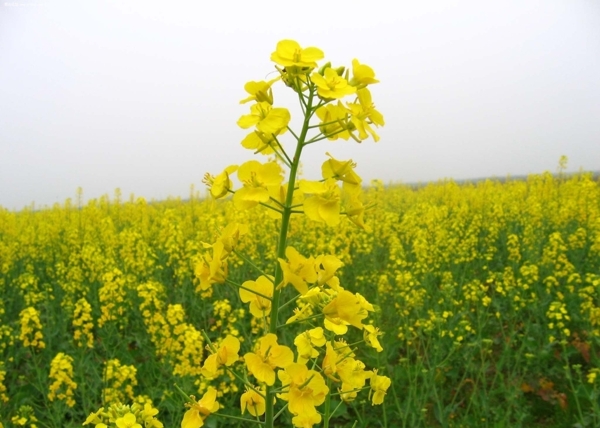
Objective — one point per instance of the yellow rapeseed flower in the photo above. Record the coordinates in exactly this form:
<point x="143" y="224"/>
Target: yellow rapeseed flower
<point x="259" y="306"/>
<point x="345" y="308"/>
<point x="297" y="270"/>
<point x="269" y="355"/>
<point x="267" y="119"/>
<point x="331" y="85"/>
<point x="334" y="121"/>
<point x="363" y="114"/>
<point x="226" y="354"/>
<point x="259" y="91"/>
<point x="258" y="181"/>
<point x="253" y="402"/>
<point x="127" y="421"/>
<point x="221" y="184"/>
<point x="362" y="75"/>
<point x="303" y="389"/>
<point x="289" y="54"/>
<point x="199" y="410"/>
<point x="324" y="203"/>
<point x="379" y="387"/>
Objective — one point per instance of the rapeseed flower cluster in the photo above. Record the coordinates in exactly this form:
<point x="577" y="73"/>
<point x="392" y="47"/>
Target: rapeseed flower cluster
<point x="125" y="416"/>
<point x="31" y="328"/>
<point x="25" y="417"/>
<point x="61" y="373"/>
<point x="3" y="390"/>
<point x="119" y="381"/>
<point x="83" y="324"/>
<point x="112" y="298"/>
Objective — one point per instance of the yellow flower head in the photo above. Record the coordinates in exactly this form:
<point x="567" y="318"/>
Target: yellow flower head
<point x="231" y="235"/>
<point x="226" y="354"/>
<point x="362" y="75"/>
<point x="298" y="270"/>
<point x="327" y="265"/>
<point x="331" y="85"/>
<point x="379" y="387"/>
<point x="355" y="211"/>
<point x="260" y="142"/>
<point x="127" y="421"/>
<point x="259" y="91"/>
<point x="212" y="269"/>
<point x="94" y="417"/>
<point x="334" y="121"/>
<point x="267" y="119"/>
<point x="268" y="356"/>
<point x="370" y="334"/>
<point x="344" y="172"/>
<point x="221" y="184"/>
<point x="306" y="420"/>
<point x="346" y="308"/>
<point x="259" y="181"/>
<point x="304" y="389"/>
<point x="260" y="306"/>
<point x="289" y="54"/>
<point x="324" y="203"/>
<point x="253" y="402"/>
<point x="363" y="114"/>
<point x="199" y="411"/>
<point x="305" y="343"/>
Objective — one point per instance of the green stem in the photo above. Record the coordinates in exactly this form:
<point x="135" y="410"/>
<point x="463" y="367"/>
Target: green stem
<point x="237" y="418"/>
<point x="282" y="242"/>
<point x="327" y="415"/>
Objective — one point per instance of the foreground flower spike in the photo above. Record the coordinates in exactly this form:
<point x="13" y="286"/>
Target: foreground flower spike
<point x="317" y="307"/>
<point x="199" y="411"/>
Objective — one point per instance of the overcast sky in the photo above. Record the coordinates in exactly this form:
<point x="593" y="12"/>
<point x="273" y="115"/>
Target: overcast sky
<point x="144" y="95"/>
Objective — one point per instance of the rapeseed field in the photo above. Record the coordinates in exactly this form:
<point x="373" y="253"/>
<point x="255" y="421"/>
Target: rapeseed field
<point x="486" y="295"/>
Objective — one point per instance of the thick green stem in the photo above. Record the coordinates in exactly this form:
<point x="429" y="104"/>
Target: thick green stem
<point x="282" y="242"/>
<point x="327" y="415"/>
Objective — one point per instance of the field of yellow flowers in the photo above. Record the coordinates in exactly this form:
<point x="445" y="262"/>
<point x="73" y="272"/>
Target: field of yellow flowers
<point x="487" y="294"/>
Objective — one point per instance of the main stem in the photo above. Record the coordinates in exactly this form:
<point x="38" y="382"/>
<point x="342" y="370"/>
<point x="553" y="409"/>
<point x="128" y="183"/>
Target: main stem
<point x="282" y="243"/>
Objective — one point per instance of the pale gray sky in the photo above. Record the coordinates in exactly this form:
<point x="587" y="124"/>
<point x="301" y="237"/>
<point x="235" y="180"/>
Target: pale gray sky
<point x="143" y="95"/>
